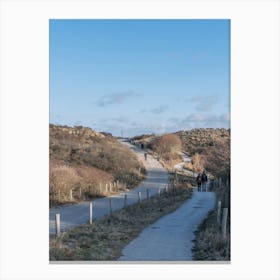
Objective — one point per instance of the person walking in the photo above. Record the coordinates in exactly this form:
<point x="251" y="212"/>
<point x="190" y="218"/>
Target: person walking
<point x="198" y="181"/>
<point x="204" y="180"/>
<point x="145" y="155"/>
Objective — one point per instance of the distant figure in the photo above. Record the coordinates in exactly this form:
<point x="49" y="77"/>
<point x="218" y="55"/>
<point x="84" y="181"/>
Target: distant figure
<point x="142" y="146"/>
<point x="204" y="180"/>
<point x="198" y="181"/>
<point x="145" y="154"/>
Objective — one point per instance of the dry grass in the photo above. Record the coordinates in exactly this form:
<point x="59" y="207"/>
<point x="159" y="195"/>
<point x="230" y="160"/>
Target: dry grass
<point x="165" y="148"/>
<point x="83" y="146"/>
<point x="90" y="181"/>
<point x="104" y="240"/>
<point x="213" y="145"/>
<point x="81" y="158"/>
<point x="189" y="166"/>
<point x="64" y="178"/>
<point x="209" y="244"/>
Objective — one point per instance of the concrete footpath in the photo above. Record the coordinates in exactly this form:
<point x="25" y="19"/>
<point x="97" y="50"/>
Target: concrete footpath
<point x="170" y="238"/>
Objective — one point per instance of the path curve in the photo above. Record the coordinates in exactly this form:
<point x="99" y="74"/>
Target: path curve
<point x="170" y="237"/>
<point x="78" y="214"/>
<point x="180" y="166"/>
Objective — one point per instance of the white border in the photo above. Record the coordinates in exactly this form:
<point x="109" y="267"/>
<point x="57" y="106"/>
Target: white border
<point x="24" y="137"/>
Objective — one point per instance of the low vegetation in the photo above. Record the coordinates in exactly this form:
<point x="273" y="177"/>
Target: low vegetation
<point x="210" y="150"/>
<point x="84" y="161"/>
<point x="209" y="244"/>
<point x="105" y="239"/>
<point x="213" y="148"/>
<point x="165" y="148"/>
<point x="81" y="158"/>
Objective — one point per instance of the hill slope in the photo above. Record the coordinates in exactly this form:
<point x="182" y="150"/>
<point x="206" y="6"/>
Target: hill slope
<point x="213" y="145"/>
<point x="83" y="158"/>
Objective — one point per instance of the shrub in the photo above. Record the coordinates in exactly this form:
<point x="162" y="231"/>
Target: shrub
<point x="167" y="146"/>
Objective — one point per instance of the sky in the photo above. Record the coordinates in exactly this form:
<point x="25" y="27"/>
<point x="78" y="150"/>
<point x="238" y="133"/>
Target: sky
<point x="133" y="77"/>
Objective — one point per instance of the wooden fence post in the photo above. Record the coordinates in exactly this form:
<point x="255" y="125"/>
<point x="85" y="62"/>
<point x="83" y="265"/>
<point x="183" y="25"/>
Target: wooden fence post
<point x="125" y="200"/>
<point x="106" y="188"/>
<point x="219" y="211"/>
<point x="90" y="213"/>
<point x="110" y="206"/>
<point x="71" y="195"/>
<point x="148" y="194"/>
<point x="100" y="188"/>
<point x="80" y="192"/>
<point x="57" y="224"/>
<point x="139" y="197"/>
<point x="58" y="195"/>
<point x="224" y="223"/>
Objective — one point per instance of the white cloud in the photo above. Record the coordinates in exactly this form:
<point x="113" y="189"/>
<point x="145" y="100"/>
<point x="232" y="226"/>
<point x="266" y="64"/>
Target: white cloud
<point x="160" y="109"/>
<point x="204" y="103"/>
<point x="202" y="120"/>
<point x="115" y="98"/>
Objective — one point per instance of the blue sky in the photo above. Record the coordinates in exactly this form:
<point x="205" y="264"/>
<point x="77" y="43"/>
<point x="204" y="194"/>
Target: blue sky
<point x="140" y="76"/>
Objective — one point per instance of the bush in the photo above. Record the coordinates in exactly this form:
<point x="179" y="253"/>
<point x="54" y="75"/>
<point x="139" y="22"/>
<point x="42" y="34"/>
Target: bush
<point x="167" y="144"/>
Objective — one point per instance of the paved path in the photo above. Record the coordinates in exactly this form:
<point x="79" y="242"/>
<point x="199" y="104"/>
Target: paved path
<point x="180" y="166"/>
<point x="74" y="215"/>
<point x="170" y="238"/>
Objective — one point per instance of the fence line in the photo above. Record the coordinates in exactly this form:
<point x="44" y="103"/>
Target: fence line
<point x="125" y="200"/>
<point x="77" y="193"/>
<point x="219" y="211"/>
<point x="224" y="223"/>
<point x="222" y="213"/>
<point x="90" y="213"/>
<point x="57" y="224"/>
<point x="110" y="206"/>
